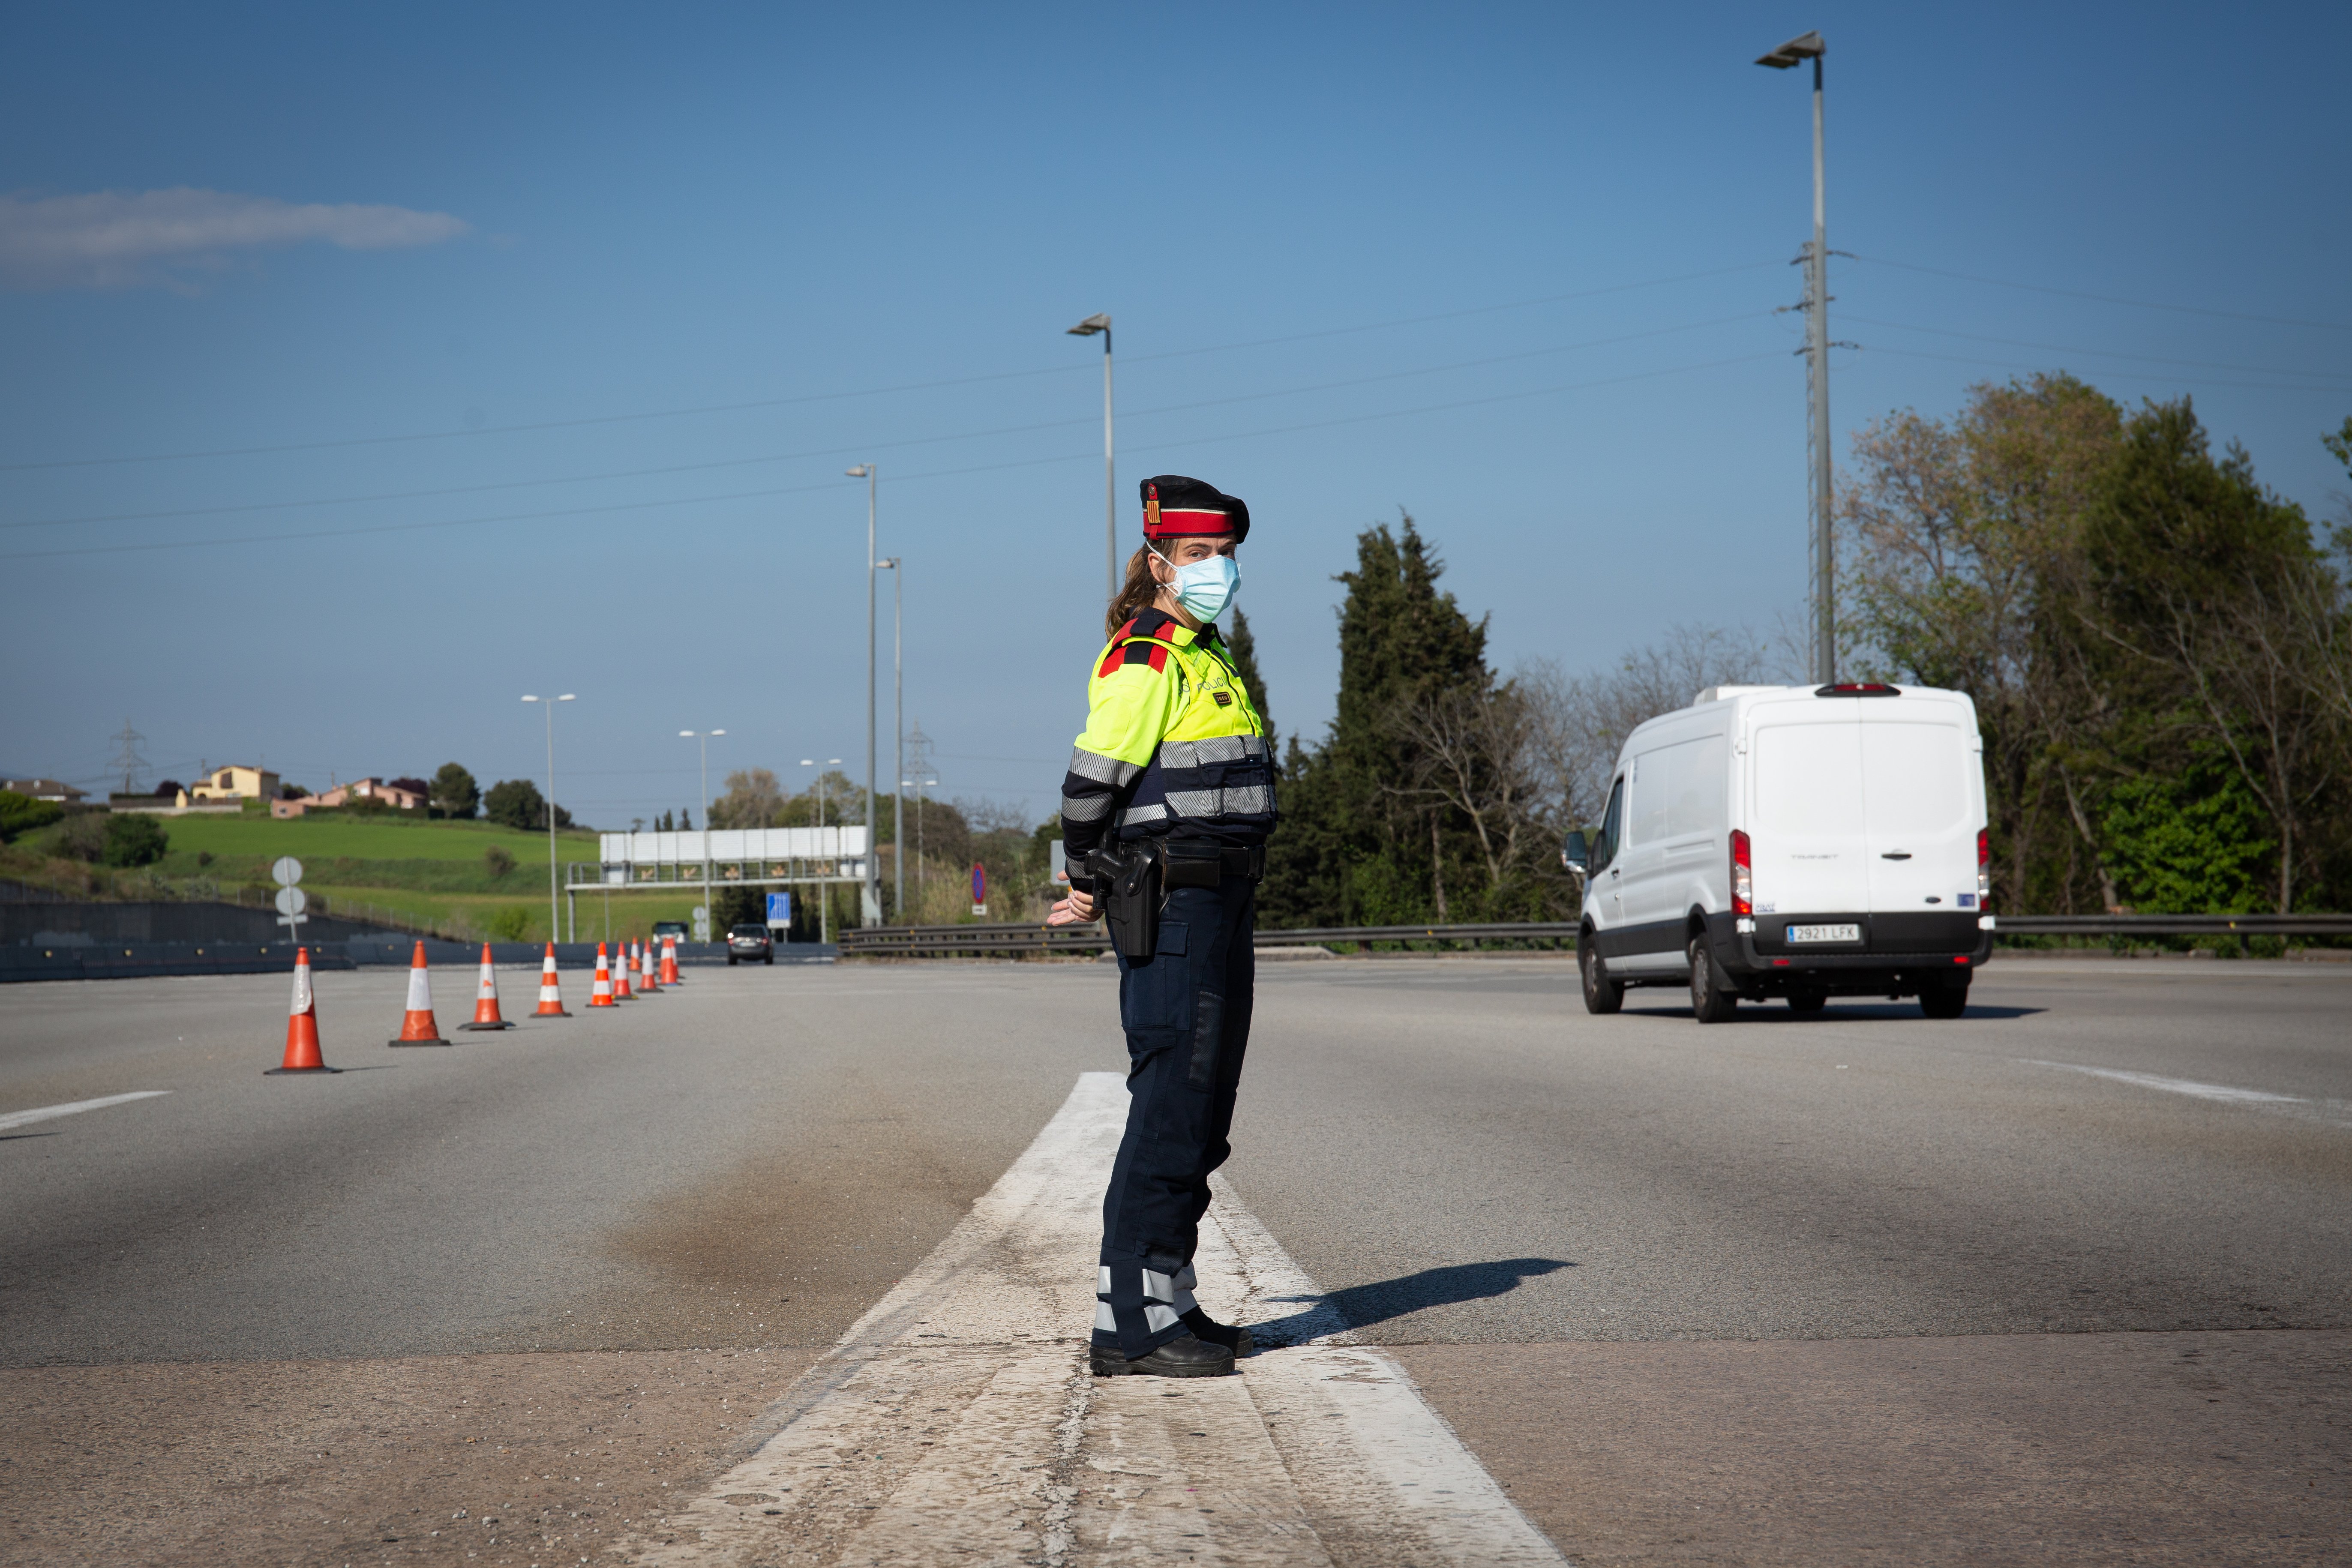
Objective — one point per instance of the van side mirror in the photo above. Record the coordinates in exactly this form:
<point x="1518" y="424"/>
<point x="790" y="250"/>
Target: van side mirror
<point x="1575" y="855"/>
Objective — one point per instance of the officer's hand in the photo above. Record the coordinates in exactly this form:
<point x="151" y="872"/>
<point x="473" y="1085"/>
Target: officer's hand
<point x="1075" y="909"/>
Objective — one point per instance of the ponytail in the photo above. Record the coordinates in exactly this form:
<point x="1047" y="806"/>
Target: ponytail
<point x="1141" y="591"/>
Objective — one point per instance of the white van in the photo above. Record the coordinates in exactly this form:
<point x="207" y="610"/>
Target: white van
<point x="1796" y="842"/>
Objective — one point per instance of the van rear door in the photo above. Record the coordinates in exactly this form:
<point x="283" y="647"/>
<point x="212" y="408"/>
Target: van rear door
<point x="1922" y="782"/>
<point x="1805" y="834"/>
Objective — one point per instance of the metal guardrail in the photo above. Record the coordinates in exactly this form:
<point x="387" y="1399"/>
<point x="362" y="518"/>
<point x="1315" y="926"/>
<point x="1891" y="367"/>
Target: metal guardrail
<point x="1506" y="930"/>
<point x="965" y="941"/>
<point x="2175" y="925"/>
<point x="968" y="940"/>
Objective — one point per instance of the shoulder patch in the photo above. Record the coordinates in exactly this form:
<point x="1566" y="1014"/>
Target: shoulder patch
<point x="1146" y="652"/>
<point x="1110" y="663"/>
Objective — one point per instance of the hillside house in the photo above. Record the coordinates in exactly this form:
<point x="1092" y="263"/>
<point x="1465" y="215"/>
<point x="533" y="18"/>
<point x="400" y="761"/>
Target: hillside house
<point x="236" y="783"/>
<point x="45" y="789"/>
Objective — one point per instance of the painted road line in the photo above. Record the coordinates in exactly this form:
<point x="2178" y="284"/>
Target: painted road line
<point x="22" y="1118"/>
<point x="2224" y="1093"/>
<point x="957" y="1422"/>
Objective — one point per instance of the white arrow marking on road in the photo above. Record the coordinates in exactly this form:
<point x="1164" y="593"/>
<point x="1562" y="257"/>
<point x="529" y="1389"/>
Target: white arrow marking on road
<point x="956" y="1421"/>
<point x="19" y="1118"/>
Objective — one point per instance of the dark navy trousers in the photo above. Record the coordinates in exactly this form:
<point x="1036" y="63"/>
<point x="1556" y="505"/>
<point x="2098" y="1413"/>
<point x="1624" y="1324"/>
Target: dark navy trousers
<point x="1186" y="1010"/>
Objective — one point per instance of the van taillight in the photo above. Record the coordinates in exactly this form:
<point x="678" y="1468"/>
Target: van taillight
<point x="1984" y="866"/>
<point x="1743" y="875"/>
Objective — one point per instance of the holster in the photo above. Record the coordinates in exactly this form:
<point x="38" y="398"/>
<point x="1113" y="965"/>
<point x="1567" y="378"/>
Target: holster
<point x="1127" y="881"/>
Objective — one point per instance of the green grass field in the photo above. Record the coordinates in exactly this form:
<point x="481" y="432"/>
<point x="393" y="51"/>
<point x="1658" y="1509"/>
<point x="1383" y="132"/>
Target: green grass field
<point x="324" y="837"/>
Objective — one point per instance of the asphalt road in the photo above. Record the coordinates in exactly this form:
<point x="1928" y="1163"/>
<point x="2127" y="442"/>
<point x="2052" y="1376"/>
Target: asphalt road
<point x="1606" y="1247"/>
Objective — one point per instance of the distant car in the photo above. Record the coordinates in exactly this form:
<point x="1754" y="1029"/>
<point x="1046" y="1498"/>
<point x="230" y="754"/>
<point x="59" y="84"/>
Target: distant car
<point x="669" y="928"/>
<point x="750" y="942"/>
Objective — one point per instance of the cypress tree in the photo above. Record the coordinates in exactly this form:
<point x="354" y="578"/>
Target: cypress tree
<point x="1244" y="648"/>
<point x="1350" y="850"/>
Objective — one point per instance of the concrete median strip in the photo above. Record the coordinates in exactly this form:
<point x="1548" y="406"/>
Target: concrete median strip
<point x="956" y="1421"/>
<point x="16" y="1119"/>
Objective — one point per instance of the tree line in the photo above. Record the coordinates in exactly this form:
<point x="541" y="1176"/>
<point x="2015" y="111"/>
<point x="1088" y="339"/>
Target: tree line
<point x="2160" y="649"/>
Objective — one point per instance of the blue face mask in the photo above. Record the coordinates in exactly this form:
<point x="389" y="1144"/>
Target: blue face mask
<point x="1205" y="588"/>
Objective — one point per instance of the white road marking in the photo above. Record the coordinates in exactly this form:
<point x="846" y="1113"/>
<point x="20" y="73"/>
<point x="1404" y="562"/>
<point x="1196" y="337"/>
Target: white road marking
<point x="2327" y="1112"/>
<point x="956" y="1421"/>
<point x="20" y="1118"/>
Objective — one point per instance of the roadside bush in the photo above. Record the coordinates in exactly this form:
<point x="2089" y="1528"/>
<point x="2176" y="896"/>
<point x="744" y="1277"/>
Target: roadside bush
<point x="83" y="836"/>
<point x="510" y="925"/>
<point x="133" y="840"/>
<point x="516" y="803"/>
<point x="736" y="907"/>
<point x="455" y="794"/>
<point x="499" y="862"/>
<point x="22" y="813"/>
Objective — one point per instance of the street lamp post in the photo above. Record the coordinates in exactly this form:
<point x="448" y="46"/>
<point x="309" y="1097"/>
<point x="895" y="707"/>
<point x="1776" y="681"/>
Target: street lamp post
<point x="823" y="888"/>
<point x="897" y="565"/>
<point x="1087" y="329"/>
<point x="549" y="703"/>
<point x="704" y="737"/>
<point x="917" y="784"/>
<point x="1817" y="374"/>
<point x="870" y="893"/>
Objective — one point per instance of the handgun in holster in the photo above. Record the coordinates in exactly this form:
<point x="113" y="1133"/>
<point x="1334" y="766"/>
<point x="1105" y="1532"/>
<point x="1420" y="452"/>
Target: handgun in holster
<point x="1127" y="881"/>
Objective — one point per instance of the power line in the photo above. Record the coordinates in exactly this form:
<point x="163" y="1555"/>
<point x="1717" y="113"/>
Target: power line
<point x="867" y="392"/>
<point x="1457" y="315"/>
<point x="874" y="446"/>
<point x="904" y="479"/>
<point x="2108" y="374"/>
<point x="2096" y="354"/>
<point x="2105" y="299"/>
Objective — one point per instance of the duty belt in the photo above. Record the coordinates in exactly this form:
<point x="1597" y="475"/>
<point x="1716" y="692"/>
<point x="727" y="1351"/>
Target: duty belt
<point x="1189" y="864"/>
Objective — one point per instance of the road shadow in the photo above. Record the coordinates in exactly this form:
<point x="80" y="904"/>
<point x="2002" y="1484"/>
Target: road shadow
<point x="1362" y="1306"/>
<point x="13" y="1137"/>
<point x="1849" y="1013"/>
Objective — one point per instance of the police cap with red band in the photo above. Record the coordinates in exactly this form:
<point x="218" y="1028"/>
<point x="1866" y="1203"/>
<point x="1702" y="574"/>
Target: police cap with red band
<point x="1174" y="506"/>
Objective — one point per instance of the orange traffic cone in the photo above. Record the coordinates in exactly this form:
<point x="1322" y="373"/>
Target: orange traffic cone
<point x="621" y="992"/>
<point x="550" y="997"/>
<point x="647" y="985"/>
<point x="416" y="1026"/>
<point x="485" y="998"/>
<point x="669" y="961"/>
<point x="600" y="993"/>
<point x="302" y="1027"/>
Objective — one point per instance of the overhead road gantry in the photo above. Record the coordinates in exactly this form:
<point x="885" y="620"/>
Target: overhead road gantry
<point x="727" y="856"/>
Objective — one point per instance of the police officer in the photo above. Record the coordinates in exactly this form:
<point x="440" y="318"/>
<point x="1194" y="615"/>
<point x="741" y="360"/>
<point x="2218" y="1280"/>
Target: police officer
<point x="1165" y="814"/>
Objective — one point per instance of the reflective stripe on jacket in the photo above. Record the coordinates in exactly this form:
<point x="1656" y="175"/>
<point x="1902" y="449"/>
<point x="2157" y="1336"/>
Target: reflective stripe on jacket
<point x="1173" y="744"/>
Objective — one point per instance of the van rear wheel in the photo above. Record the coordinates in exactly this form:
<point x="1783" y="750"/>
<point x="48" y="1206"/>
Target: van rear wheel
<point x="1708" y="1005"/>
<point x="1601" y="994"/>
<point x="1945" y="1000"/>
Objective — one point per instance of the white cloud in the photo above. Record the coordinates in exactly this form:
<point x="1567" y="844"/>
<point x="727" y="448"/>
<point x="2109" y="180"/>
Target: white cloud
<point x="118" y="239"/>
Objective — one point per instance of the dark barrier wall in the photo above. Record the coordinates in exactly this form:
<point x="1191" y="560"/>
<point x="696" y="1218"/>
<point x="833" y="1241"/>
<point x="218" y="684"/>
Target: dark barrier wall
<point x="131" y="960"/>
<point x="72" y="925"/>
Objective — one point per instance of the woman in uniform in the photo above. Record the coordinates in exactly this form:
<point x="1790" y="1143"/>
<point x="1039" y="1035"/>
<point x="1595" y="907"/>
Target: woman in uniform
<point x="1165" y="814"/>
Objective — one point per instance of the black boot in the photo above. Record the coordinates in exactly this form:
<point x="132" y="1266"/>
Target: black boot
<point x="1233" y="1337"/>
<point x="1183" y="1356"/>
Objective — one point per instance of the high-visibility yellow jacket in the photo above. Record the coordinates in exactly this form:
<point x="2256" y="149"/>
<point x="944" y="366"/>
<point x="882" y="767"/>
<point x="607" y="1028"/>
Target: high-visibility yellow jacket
<point x="1173" y="744"/>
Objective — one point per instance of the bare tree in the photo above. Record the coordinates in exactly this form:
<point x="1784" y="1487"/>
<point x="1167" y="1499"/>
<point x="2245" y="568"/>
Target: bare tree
<point x="753" y="799"/>
<point x="1577" y="723"/>
<point x="2264" y="690"/>
<point x="1473" y="750"/>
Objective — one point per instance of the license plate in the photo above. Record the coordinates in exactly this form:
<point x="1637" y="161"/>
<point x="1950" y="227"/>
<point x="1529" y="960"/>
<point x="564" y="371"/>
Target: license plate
<point x="1825" y="933"/>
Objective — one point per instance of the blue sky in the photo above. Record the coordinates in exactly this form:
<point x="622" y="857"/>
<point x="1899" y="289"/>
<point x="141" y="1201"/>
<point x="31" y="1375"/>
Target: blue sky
<point x="548" y="333"/>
